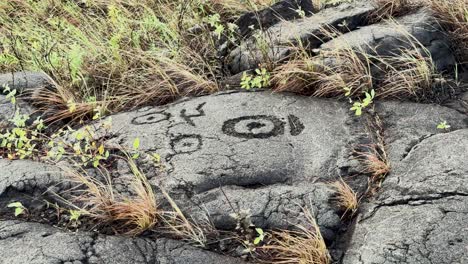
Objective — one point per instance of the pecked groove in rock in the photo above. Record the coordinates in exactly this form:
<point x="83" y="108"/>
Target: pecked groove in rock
<point x="267" y="151"/>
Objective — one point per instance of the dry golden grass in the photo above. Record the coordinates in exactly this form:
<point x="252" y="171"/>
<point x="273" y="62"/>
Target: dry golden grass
<point x="453" y="16"/>
<point x="126" y="215"/>
<point x="393" y="8"/>
<point x="411" y="74"/>
<point x="374" y="160"/>
<point x="304" y="246"/>
<point x="346" y="198"/>
<point x="180" y="226"/>
<point x="332" y="73"/>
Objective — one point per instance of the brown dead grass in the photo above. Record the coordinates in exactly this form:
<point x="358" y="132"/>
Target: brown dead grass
<point x="125" y="215"/>
<point x="329" y="74"/>
<point x="453" y="16"/>
<point x="304" y="246"/>
<point x="346" y="198"/>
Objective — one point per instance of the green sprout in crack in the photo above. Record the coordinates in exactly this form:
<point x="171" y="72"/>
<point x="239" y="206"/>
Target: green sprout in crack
<point x="443" y="125"/>
<point x="359" y="106"/>
<point x="260" y="237"/>
<point x="19" y="208"/>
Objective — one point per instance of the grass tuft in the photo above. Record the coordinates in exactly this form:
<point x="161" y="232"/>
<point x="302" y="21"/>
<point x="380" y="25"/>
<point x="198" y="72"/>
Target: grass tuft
<point x="333" y="73"/>
<point x="125" y="215"/>
<point x="305" y="246"/>
<point x="346" y="198"/>
<point x="453" y="16"/>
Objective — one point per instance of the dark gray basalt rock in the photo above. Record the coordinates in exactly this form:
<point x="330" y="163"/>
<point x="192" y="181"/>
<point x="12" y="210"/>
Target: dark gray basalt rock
<point x="268" y="153"/>
<point x="25" y="81"/>
<point x="283" y="10"/>
<point x="28" y="176"/>
<point x="421" y="214"/>
<point x="26" y="84"/>
<point x="40" y="244"/>
<point x="308" y="31"/>
<point x="406" y="124"/>
<point x="419" y="29"/>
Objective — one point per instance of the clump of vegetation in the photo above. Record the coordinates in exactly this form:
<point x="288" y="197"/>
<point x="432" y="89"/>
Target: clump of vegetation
<point x="261" y="79"/>
<point x="116" y="55"/>
<point x="129" y="215"/>
<point x="19" y="208"/>
<point x="393" y="8"/>
<point x="304" y="246"/>
<point x="346" y="72"/>
<point x="409" y="75"/>
<point x="453" y="16"/>
<point x="443" y="125"/>
<point x="346" y="198"/>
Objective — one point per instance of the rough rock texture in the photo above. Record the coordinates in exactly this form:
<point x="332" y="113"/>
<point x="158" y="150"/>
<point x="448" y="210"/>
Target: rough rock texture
<point x="25" y="175"/>
<point x="407" y="124"/>
<point x="308" y="31"/>
<point x="421" y="214"/>
<point x="419" y="29"/>
<point x="25" y="83"/>
<point x="38" y="244"/>
<point x="283" y="10"/>
<point x="269" y="153"/>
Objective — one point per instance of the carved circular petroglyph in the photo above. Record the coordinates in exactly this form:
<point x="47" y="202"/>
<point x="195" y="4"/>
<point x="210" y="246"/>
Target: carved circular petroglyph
<point x="150" y="118"/>
<point x="186" y="143"/>
<point x="259" y="126"/>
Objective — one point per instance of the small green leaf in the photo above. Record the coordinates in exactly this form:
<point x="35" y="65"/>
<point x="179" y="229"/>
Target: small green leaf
<point x="18" y="211"/>
<point x="15" y="205"/>
<point x="259" y="231"/>
<point x="257" y="240"/>
<point x="136" y="143"/>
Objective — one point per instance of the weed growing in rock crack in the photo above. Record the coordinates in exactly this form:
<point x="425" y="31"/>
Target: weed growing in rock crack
<point x="346" y="198"/>
<point x="359" y="106"/>
<point x="75" y="217"/>
<point x="443" y="125"/>
<point x="349" y="71"/>
<point x="21" y="141"/>
<point x="260" y="79"/>
<point x="19" y="208"/>
<point x="304" y="246"/>
<point x="128" y="215"/>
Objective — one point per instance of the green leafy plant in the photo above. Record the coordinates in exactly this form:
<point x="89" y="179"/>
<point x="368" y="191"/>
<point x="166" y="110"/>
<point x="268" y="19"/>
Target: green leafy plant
<point x="19" y="208"/>
<point x="136" y="146"/>
<point x="10" y="94"/>
<point x="443" y="125"/>
<point x="75" y="216"/>
<point x="358" y="106"/>
<point x="260" y="237"/>
<point x="260" y="79"/>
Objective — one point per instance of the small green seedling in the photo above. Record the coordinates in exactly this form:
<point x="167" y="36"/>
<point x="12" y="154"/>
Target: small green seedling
<point x="136" y="146"/>
<point x="443" y="125"/>
<point x="75" y="215"/>
<point x="19" y="208"/>
<point x="358" y="106"/>
<point x="10" y="94"/>
<point x="260" y="80"/>
<point x="260" y="237"/>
